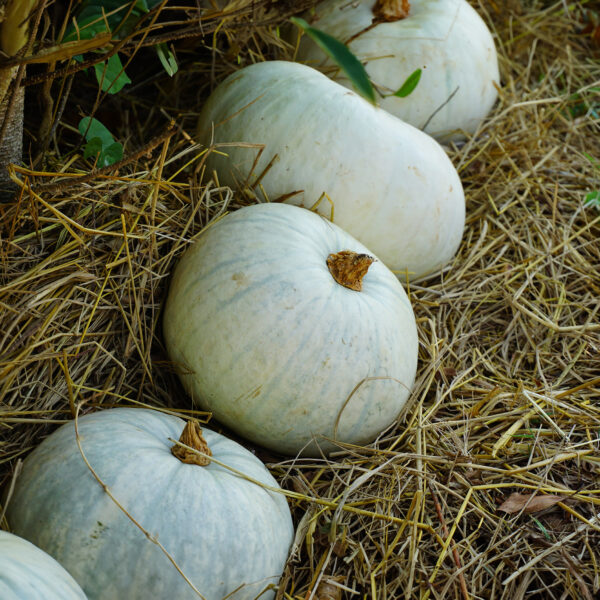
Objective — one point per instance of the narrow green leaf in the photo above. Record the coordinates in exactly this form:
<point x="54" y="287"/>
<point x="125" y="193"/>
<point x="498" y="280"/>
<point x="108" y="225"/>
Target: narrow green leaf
<point x="342" y="57"/>
<point x="167" y="59"/>
<point x="541" y="528"/>
<point x="592" y="160"/>
<point x="111" y="76"/>
<point x="408" y="87"/>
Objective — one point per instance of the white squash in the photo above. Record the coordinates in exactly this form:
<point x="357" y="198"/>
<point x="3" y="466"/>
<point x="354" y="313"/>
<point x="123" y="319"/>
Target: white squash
<point x="275" y="347"/>
<point x="28" y="573"/>
<point x="447" y="39"/>
<point x="393" y="187"/>
<point x="223" y="531"/>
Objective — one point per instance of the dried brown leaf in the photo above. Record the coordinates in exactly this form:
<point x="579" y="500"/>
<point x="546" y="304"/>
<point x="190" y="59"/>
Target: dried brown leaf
<point x="528" y="503"/>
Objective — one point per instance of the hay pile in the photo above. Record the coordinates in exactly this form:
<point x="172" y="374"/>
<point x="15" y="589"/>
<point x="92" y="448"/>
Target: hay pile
<point x="506" y="400"/>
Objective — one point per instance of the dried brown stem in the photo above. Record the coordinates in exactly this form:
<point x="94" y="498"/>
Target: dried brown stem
<point x="16" y="38"/>
<point x="391" y="10"/>
<point x="348" y="268"/>
<point x="192" y="436"/>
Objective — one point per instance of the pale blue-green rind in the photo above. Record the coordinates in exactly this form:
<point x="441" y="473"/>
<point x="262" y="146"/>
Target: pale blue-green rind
<point x="223" y="531"/>
<point x="28" y="573"/>
<point x="268" y="341"/>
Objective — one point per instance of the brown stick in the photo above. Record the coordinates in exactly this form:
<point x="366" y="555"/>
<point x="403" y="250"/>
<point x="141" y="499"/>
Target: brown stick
<point x="11" y="133"/>
<point x="192" y="436"/>
<point x="12" y="103"/>
<point x="153" y="143"/>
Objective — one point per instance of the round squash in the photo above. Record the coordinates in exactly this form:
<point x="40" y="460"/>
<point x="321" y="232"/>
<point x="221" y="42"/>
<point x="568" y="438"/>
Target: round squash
<point x="28" y="573"/>
<point x="279" y="332"/>
<point x="291" y="133"/>
<point x="225" y="533"/>
<point x="446" y="39"/>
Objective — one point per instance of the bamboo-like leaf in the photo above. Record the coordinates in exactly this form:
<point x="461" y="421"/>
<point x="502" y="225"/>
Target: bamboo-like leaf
<point x="408" y="87"/>
<point x="342" y="57"/>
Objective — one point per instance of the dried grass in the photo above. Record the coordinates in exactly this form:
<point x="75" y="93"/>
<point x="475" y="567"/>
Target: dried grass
<point x="509" y="377"/>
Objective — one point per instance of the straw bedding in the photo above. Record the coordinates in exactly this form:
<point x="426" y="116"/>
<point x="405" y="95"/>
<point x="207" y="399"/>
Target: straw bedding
<point x="488" y="485"/>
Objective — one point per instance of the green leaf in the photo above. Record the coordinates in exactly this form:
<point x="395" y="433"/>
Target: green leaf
<point x="541" y="528"/>
<point x="100" y="143"/>
<point x="167" y="58"/>
<point x="94" y="18"/>
<point x="92" y="148"/>
<point x="88" y="26"/>
<point x="592" y="160"/>
<point x="408" y="87"/>
<point x="118" y="18"/>
<point x="593" y="199"/>
<point x="110" y="75"/>
<point x="342" y="57"/>
<point x="112" y="154"/>
<point x="94" y="15"/>
<point x="92" y="128"/>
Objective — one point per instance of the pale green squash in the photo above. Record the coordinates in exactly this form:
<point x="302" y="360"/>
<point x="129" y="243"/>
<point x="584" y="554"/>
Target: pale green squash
<point x="28" y="573"/>
<point x="446" y="39"/>
<point x="266" y="339"/>
<point x="291" y="132"/>
<point x="225" y="532"/>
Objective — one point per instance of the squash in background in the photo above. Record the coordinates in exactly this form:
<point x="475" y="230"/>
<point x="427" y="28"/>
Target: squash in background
<point x="223" y="531"/>
<point x="268" y="339"/>
<point x="28" y="573"/>
<point x="447" y="39"/>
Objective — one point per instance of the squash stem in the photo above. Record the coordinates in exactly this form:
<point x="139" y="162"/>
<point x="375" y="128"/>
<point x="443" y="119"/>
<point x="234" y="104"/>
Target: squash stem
<point x="391" y="10"/>
<point x="192" y="436"/>
<point x="348" y="268"/>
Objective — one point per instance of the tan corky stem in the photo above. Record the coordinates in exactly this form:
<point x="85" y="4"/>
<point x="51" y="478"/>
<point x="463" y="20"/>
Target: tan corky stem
<point x="391" y="10"/>
<point x="192" y="436"/>
<point x="348" y="268"/>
